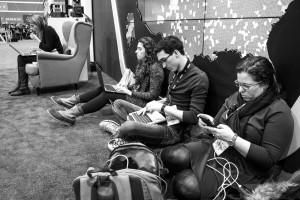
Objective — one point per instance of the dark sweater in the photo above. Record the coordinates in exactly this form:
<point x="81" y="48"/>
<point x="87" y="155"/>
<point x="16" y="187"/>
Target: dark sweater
<point x="50" y="41"/>
<point x="190" y="93"/>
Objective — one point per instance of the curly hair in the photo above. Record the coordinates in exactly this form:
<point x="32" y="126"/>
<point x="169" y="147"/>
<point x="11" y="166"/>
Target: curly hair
<point x="143" y="66"/>
<point x="261" y="70"/>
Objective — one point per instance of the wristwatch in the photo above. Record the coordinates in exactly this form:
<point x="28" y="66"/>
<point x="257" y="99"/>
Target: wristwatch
<point x="233" y="139"/>
<point x="163" y="108"/>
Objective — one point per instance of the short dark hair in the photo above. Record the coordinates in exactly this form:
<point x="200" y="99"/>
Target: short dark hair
<point x="260" y="69"/>
<point x="169" y="44"/>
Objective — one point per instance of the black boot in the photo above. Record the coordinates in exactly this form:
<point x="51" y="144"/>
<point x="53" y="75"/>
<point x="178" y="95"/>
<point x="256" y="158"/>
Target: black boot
<point x="23" y="78"/>
<point x="21" y="91"/>
<point x="18" y="85"/>
<point x="15" y="89"/>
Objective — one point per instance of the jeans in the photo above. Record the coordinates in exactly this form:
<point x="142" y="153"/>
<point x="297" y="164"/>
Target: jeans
<point x="153" y="134"/>
<point x="96" y="99"/>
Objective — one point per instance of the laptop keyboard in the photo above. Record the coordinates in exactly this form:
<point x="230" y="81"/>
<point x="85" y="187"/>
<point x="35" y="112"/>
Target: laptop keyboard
<point x="140" y="118"/>
<point x="109" y="88"/>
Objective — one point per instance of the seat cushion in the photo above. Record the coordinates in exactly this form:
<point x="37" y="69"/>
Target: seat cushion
<point x="32" y="69"/>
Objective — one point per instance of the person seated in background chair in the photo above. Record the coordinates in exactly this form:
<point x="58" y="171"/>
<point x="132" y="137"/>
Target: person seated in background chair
<point x="256" y="124"/>
<point x="48" y="41"/>
<point x="148" y="77"/>
<point x="186" y="97"/>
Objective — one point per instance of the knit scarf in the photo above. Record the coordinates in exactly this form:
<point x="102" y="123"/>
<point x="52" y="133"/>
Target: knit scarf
<point x="238" y="118"/>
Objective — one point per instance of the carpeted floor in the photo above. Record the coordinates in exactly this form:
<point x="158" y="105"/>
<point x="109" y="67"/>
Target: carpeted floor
<point x="40" y="157"/>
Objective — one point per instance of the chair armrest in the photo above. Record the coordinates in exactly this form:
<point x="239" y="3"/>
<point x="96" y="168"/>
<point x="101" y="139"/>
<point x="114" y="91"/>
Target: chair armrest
<point x="42" y="55"/>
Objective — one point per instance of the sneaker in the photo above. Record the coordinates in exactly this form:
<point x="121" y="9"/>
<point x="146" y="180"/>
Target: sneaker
<point x="112" y="144"/>
<point x="62" y="102"/>
<point x="110" y="126"/>
<point x="56" y="115"/>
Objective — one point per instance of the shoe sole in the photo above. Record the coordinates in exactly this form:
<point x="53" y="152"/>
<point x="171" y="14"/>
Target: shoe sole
<point x="64" y="122"/>
<point x="111" y="121"/>
<point x="65" y="106"/>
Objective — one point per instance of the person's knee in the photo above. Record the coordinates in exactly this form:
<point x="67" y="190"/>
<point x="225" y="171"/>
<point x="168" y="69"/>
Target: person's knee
<point x="126" y="129"/>
<point x="185" y="185"/>
<point x="176" y="158"/>
<point x="19" y="59"/>
<point x="118" y="103"/>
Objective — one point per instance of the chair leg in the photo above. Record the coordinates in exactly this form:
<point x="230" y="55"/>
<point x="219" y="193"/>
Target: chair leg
<point x="76" y="86"/>
<point x="38" y="91"/>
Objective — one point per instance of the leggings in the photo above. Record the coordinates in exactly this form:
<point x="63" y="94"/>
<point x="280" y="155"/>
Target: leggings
<point x="97" y="98"/>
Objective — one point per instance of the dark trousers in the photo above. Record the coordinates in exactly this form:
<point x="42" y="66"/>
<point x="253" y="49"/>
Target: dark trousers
<point x="97" y="98"/>
<point x="152" y="134"/>
<point x="22" y="76"/>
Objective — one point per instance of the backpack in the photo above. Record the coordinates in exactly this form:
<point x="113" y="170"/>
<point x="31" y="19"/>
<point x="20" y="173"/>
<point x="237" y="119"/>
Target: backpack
<point x="132" y="173"/>
<point x="135" y="156"/>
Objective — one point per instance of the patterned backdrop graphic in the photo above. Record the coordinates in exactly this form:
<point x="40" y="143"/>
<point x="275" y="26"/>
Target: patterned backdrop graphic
<point x="215" y="25"/>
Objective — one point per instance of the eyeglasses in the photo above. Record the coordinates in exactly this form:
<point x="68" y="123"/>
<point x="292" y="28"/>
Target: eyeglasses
<point x="164" y="60"/>
<point x="244" y="85"/>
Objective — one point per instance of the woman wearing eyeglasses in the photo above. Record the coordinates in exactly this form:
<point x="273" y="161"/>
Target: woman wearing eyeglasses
<point x="48" y="41"/>
<point x="256" y="124"/>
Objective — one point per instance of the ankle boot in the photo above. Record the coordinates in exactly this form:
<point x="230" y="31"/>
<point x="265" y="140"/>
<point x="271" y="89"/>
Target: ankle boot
<point x="66" y="102"/>
<point x="66" y="116"/>
<point x="21" y="91"/>
<point x="72" y="113"/>
<point x="15" y="89"/>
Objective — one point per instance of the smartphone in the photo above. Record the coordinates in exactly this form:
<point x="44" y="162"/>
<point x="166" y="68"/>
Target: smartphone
<point x="208" y="122"/>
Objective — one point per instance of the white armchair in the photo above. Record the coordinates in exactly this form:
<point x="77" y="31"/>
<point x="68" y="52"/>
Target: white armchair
<point x="54" y="69"/>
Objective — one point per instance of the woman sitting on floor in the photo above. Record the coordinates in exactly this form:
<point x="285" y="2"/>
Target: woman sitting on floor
<point x="255" y="122"/>
<point x="149" y="77"/>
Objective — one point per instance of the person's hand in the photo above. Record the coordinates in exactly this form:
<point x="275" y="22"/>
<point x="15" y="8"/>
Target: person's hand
<point x="153" y="105"/>
<point x="162" y="100"/>
<point x="142" y="111"/>
<point x="120" y="85"/>
<point x="150" y="107"/>
<point x="34" y="49"/>
<point x="222" y="132"/>
<point x="34" y="36"/>
<point x="123" y="89"/>
<point x="201" y="123"/>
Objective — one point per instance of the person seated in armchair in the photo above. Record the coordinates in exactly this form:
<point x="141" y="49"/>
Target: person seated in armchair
<point x="253" y="129"/>
<point x="48" y="41"/>
<point x="187" y="92"/>
<point x="149" y="76"/>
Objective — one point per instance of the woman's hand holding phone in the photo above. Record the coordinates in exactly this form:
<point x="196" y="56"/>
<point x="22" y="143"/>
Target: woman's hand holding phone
<point x="206" y="120"/>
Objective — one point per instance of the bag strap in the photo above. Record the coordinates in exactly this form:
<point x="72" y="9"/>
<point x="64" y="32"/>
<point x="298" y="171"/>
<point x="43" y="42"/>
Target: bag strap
<point x="199" y="153"/>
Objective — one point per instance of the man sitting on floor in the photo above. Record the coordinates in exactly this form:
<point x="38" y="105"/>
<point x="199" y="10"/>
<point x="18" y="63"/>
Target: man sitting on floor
<point x="187" y="91"/>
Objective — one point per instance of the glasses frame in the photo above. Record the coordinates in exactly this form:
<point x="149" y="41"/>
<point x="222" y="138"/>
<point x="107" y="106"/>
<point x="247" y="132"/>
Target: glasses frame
<point x="164" y="60"/>
<point x="245" y="86"/>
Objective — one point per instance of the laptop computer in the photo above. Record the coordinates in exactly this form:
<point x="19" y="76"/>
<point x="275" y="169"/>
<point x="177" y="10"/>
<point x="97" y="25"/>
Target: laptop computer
<point x="154" y="117"/>
<point x="107" y="87"/>
<point x="22" y="54"/>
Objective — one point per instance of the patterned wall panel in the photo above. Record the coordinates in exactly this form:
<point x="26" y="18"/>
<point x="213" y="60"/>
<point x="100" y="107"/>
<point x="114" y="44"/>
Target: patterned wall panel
<point x="245" y="9"/>
<point x="244" y="35"/>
